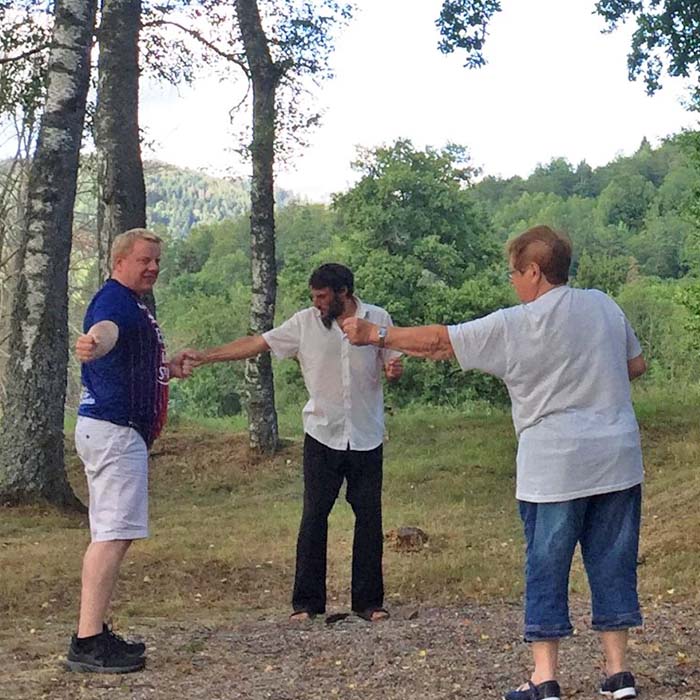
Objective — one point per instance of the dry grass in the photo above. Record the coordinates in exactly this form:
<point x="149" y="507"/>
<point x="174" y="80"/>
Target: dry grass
<point x="224" y="525"/>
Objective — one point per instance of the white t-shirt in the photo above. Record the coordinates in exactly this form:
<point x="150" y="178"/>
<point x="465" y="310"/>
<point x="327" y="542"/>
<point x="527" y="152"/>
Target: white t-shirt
<point x="346" y="398"/>
<point x="563" y="358"/>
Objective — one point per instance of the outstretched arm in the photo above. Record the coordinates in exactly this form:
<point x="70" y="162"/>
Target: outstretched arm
<point x="239" y="349"/>
<point x="431" y="342"/>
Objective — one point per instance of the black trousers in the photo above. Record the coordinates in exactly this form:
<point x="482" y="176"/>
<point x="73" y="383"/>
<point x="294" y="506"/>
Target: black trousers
<point x="324" y="472"/>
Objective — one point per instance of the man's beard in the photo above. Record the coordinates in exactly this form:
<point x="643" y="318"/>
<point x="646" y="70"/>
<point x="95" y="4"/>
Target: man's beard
<point x="335" y="309"/>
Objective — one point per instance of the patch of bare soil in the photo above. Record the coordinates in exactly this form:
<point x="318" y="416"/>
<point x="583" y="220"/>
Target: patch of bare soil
<point x="472" y="651"/>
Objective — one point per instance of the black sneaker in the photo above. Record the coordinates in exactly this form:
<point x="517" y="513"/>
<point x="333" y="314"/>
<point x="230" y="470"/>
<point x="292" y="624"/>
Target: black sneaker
<point x="549" y="690"/>
<point x="130" y="648"/>
<point x="104" y="654"/>
<point x="619" y="686"/>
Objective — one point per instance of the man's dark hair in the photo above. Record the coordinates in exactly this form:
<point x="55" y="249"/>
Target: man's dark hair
<point x="333" y="275"/>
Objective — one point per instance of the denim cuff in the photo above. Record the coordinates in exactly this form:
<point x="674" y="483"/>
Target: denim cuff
<point x="541" y="633"/>
<point x="612" y="623"/>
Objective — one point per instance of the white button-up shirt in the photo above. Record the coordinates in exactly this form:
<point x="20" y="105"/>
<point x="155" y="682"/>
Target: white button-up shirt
<point x="346" y="399"/>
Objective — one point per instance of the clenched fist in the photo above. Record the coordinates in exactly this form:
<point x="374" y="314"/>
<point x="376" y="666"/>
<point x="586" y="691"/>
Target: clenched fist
<point x="190" y="360"/>
<point x="86" y="347"/>
<point x="393" y="369"/>
<point x="181" y="365"/>
<point x="358" y="330"/>
<point x="97" y="342"/>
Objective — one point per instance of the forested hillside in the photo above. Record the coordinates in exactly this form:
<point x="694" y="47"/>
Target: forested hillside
<point x="424" y="236"/>
<point x="635" y="211"/>
<point x="178" y="198"/>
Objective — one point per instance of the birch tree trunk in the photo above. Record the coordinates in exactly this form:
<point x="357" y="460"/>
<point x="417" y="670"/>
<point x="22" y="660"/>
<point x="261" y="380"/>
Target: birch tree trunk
<point x="32" y="464"/>
<point x="262" y="416"/>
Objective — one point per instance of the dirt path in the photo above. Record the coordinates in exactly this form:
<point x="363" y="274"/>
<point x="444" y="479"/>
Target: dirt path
<point x="427" y="654"/>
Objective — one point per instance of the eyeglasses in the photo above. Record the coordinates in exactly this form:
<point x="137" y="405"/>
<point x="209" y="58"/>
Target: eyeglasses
<point x="511" y="273"/>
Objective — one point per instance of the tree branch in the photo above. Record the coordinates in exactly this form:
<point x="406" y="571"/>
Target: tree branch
<point x="232" y="58"/>
<point x="26" y="54"/>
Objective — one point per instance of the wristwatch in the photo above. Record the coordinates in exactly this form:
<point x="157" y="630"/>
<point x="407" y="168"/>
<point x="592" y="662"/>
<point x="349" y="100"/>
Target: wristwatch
<point x="381" y="334"/>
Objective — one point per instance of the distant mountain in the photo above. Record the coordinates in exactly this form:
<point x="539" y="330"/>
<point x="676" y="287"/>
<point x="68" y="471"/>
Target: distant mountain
<point x="180" y="198"/>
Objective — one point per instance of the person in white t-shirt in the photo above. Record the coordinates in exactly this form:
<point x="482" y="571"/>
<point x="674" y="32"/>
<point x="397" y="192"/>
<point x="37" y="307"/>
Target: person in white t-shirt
<point x="344" y="431"/>
<point x="567" y="357"/>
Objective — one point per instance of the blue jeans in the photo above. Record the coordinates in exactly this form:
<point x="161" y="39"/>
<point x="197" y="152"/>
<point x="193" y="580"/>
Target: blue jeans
<point x="607" y="527"/>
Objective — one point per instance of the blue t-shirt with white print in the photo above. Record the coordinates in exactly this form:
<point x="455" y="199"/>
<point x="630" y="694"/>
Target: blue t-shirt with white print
<point x="129" y="385"/>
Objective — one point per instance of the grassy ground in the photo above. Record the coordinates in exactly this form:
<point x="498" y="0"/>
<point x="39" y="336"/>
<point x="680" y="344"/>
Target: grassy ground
<point x="224" y="525"/>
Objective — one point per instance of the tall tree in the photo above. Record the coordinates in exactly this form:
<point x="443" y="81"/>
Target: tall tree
<point x="31" y="445"/>
<point x="405" y="196"/>
<point x="280" y="45"/>
<point x="301" y="34"/>
<point x="265" y="77"/>
<point x="122" y="203"/>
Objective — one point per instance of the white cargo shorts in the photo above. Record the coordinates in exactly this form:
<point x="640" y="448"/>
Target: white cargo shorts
<point x="116" y="467"/>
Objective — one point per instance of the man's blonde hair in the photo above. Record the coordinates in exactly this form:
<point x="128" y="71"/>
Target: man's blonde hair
<point x="123" y="243"/>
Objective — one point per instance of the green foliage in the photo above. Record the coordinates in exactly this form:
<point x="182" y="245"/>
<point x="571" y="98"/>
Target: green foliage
<point x="424" y="243"/>
<point x="640" y="207"/>
<point x="204" y="299"/>
<point x="607" y="273"/>
<point x="405" y="195"/>
<point x="199" y="316"/>
<point x="659" y="247"/>
<point x="25" y="30"/>
<point x="666" y="39"/>
<point x="666" y="319"/>
<point x="557" y="177"/>
<point x="689" y="296"/>
<point x="625" y="201"/>
<point x="462" y="25"/>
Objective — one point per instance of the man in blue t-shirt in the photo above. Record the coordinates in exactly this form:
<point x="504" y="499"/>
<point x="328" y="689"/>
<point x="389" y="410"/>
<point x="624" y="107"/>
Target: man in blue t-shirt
<point x="123" y="407"/>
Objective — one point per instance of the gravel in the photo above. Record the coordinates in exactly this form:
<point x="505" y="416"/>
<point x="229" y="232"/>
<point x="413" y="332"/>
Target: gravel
<point x="471" y="651"/>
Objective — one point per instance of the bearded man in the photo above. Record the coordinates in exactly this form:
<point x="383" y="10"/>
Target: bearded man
<point x="343" y="432"/>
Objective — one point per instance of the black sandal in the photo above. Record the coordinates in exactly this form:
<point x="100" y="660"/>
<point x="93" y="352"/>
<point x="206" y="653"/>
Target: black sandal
<point x="336" y="617"/>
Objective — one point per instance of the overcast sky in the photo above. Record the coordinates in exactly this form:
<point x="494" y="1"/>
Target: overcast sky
<point x="553" y="86"/>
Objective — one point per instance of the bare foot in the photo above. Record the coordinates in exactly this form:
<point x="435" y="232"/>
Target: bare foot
<point x="379" y="616"/>
<point x="300" y="616"/>
<point x="376" y="615"/>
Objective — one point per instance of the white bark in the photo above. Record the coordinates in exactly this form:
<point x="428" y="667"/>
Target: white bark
<point x="31" y="444"/>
